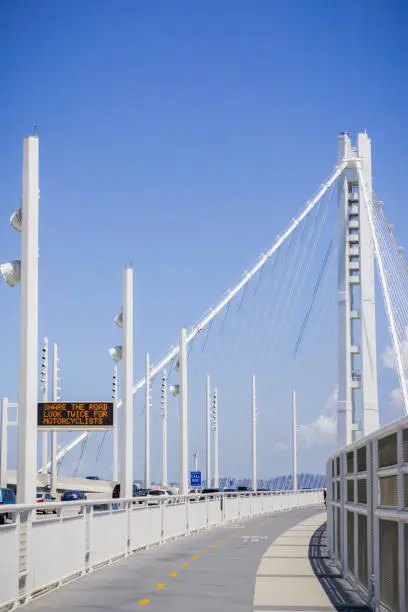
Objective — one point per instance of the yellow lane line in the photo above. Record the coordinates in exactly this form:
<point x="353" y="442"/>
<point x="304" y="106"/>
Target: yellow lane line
<point x="160" y="586"/>
<point x="143" y="602"/>
<point x="172" y="574"/>
<point x="185" y="564"/>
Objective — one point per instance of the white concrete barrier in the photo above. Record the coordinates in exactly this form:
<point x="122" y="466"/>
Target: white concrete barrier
<point x="42" y="553"/>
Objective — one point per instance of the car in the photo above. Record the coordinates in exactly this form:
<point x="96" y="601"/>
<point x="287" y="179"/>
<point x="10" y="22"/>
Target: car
<point x="44" y="498"/>
<point x="92" y="477"/>
<point x="116" y="491"/>
<point x="7" y="497"/>
<point x="210" y="493"/>
<point x="73" y="496"/>
<point x="162" y="493"/>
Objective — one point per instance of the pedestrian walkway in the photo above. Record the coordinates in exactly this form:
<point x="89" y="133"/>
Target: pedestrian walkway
<point x="296" y="574"/>
<point x="259" y="564"/>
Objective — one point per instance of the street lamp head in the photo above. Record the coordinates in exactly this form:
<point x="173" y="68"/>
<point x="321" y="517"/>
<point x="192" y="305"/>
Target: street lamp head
<point x="116" y="353"/>
<point x="177" y="365"/>
<point x="16" y="220"/>
<point x="175" y="390"/>
<point x="11" y="272"/>
<point x="119" y="319"/>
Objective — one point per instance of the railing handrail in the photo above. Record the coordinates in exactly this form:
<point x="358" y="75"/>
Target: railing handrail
<point x="10" y="508"/>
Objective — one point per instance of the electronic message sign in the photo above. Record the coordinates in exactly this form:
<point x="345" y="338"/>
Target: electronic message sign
<point x="75" y="415"/>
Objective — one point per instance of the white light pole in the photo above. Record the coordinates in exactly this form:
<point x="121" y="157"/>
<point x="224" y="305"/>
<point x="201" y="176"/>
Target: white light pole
<point x="55" y="398"/>
<point x="28" y="374"/>
<point x="254" y="418"/>
<point x="183" y="414"/>
<point x="147" y="422"/>
<point x="294" y="440"/>
<point x="164" y="426"/>
<point x="44" y="382"/>
<point x="196" y="462"/>
<point x="115" y="423"/>
<point x="208" y="432"/>
<point x="126" y="430"/>
<point x="215" y="429"/>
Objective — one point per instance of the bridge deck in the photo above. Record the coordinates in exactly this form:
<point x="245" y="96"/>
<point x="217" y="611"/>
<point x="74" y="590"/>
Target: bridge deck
<point x="236" y="567"/>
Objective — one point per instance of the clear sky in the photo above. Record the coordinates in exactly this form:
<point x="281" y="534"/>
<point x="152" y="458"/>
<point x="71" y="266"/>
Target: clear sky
<point x="182" y="137"/>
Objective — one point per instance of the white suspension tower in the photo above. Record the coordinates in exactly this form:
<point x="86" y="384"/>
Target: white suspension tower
<point x="356" y="294"/>
<point x="164" y="426"/>
<point x="215" y="429"/>
<point x="208" y="432"/>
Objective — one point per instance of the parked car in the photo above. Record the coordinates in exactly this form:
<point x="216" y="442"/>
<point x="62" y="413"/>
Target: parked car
<point x="45" y="498"/>
<point x="92" y="477"/>
<point x="73" y="496"/>
<point x="7" y="497"/>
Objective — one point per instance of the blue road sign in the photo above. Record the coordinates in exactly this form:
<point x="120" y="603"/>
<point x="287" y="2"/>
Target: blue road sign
<point x="195" y="479"/>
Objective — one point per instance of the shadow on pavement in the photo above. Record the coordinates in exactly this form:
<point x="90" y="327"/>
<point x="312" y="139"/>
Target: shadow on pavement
<point x="341" y="594"/>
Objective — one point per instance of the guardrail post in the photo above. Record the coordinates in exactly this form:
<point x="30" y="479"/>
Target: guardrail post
<point x="25" y="570"/>
<point x="187" y="502"/>
<point x="129" y="510"/>
<point x="401" y="525"/>
<point x="375" y="522"/>
<point x="88" y="516"/>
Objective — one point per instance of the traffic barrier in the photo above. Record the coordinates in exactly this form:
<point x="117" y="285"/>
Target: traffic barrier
<point x="43" y="553"/>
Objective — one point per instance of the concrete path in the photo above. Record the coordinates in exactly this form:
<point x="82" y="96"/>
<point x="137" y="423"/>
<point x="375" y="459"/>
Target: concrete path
<point x="240" y="567"/>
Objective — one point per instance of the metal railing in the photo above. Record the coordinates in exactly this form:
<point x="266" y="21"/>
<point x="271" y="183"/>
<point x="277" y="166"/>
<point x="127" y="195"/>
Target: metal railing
<point x="43" y="553"/>
<point x="367" y="515"/>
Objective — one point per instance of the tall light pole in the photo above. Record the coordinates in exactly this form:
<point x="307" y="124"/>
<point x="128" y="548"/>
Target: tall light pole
<point x="183" y="413"/>
<point x="147" y="422"/>
<point x="126" y="430"/>
<point x="294" y="441"/>
<point x="44" y="383"/>
<point x="28" y="374"/>
<point x="55" y="398"/>
<point x="208" y="432"/>
<point x="163" y="401"/>
<point x="115" y="423"/>
<point x="254" y="418"/>
<point x="215" y="429"/>
<point x="195" y="461"/>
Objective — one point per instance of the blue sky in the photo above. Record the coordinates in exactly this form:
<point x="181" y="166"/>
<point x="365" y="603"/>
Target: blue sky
<point x="182" y="137"/>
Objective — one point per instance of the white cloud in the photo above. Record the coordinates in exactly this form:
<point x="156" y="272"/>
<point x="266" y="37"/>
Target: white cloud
<point x="389" y="361"/>
<point x="323" y="430"/>
<point x="388" y="356"/>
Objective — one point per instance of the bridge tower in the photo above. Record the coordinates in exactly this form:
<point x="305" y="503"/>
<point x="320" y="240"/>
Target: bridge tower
<point x="357" y="374"/>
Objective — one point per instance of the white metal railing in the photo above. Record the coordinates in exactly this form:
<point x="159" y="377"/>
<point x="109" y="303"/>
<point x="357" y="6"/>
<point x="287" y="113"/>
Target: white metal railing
<point x="42" y="553"/>
<point x="367" y="515"/>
